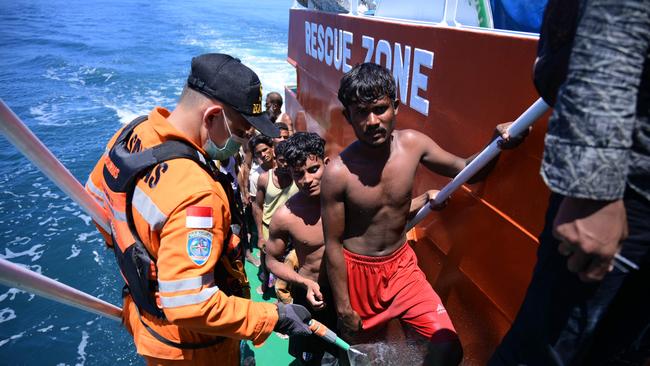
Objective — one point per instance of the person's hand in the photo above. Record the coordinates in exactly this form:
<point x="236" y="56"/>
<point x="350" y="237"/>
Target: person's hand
<point x="590" y="234"/>
<point x="314" y="295"/>
<point x="509" y="142"/>
<point x="293" y="320"/>
<point x="349" y="323"/>
<point x="431" y="196"/>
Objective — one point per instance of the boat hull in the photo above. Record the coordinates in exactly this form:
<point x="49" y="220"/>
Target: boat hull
<point x="455" y="86"/>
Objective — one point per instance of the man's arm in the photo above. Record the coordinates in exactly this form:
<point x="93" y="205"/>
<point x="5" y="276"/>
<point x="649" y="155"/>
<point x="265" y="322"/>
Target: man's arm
<point x="333" y="215"/>
<point x="449" y="165"/>
<point x="587" y="147"/>
<point x="242" y="180"/>
<point x="258" y="207"/>
<point x="276" y="246"/>
<point x="432" y="156"/>
<point x="418" y="202"/>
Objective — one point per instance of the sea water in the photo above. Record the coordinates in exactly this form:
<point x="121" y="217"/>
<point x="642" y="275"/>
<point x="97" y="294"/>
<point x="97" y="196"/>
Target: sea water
<point x="75" y="71"/>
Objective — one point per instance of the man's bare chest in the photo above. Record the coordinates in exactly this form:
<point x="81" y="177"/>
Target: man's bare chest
<point x="392" y="187"/>
<point x="308" y="236"/>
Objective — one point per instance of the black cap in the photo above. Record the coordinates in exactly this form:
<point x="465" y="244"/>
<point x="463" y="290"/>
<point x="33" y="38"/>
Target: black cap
<point x="227" y="80"/>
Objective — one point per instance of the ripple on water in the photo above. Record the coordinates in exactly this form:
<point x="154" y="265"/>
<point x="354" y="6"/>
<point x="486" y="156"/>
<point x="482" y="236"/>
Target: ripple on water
<point x="7" y="314"/>
<point x="13" y="337"/>
<point x="81" y="349"/>
<point x="32" y="252"/>
<point x="11" y="294"/>
<point x="46" y="329"/>
<point x="74" y="252"/>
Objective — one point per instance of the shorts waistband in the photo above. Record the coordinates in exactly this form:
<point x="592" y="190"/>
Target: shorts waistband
<point x="371" y="259"/>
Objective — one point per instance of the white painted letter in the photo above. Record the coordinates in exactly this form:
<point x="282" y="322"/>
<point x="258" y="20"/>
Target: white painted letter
<point x="321" y="46"/>
<point x="307" y="36"/>
<point x="369" y="44"/>
<point x="401" y="71"/>
<point x="329" y="41"/>
<point x="383" y="48"/>
<point x="420" y="58"/>
<point x="314" y="31"/>
<point x="347" y="41"/>
<point x="338" y="48"/>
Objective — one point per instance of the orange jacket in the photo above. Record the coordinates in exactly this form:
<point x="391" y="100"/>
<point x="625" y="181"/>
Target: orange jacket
<point x="195" y="309"/>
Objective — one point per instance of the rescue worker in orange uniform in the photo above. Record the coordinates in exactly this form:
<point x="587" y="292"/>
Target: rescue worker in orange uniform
<point x="172" y="228"/>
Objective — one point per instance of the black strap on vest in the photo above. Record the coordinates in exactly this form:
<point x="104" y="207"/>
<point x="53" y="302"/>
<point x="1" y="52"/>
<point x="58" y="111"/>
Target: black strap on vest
<point x="181" y="345"/>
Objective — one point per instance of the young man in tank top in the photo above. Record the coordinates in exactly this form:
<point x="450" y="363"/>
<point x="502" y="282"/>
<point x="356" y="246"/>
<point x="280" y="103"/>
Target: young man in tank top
<point x="274" y="187"/>
<point x="366" y="194"/>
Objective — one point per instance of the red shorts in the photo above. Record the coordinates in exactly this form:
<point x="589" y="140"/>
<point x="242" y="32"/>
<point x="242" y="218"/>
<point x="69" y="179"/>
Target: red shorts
<point x="393" y="286"/>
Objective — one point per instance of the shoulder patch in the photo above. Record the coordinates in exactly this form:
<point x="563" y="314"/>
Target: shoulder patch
<point x="199" y="246"/>
<point x="198" y="217"/>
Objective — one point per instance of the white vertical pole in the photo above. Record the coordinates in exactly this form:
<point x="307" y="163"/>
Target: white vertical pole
<point x="354" y="6"/>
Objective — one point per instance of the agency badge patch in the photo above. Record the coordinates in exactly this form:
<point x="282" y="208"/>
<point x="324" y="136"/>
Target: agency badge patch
<point x="199" y="246"/>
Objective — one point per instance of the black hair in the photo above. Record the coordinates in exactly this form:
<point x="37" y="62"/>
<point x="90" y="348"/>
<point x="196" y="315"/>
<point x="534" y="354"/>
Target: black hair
<point x="259" y="139"/>
<point x="302" y="144"/>
<point x="282" y="126"/>
<point x="280" y="149"/>
<point x="366" y="83"/>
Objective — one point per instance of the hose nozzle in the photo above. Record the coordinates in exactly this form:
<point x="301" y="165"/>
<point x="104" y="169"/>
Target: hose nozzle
<point x="322" y="331"/>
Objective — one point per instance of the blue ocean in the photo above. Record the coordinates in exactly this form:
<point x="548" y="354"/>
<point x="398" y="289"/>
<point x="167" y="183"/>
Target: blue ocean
<point x="75" y="71"/>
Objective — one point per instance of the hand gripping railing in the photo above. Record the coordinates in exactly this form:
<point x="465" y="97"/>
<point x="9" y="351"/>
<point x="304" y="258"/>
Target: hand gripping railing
<point x="521" y="124"/>
<point x="14" y="275"/>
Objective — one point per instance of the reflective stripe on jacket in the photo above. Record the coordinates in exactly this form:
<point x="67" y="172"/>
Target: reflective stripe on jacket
<point x="186" y="251"/>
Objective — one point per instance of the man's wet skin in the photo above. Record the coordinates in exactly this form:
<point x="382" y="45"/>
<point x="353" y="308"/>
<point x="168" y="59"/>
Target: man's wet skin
<point x="300" y="221"/>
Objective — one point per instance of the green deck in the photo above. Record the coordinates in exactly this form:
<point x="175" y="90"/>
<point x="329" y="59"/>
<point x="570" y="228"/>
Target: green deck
<point x="275" y="350"/>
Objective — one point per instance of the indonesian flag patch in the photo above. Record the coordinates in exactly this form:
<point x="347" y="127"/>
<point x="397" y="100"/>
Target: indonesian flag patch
<point x="198" y="217"/>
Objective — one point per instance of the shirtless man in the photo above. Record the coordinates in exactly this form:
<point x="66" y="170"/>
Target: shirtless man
<point x="299" y="221"/>
<point x="365" y="205"/>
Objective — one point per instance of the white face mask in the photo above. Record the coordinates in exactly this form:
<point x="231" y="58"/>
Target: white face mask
<point x="230" y="148"/>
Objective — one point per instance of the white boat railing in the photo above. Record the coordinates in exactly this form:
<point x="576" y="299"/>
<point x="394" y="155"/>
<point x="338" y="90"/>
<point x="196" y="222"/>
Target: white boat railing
<point x="29" y="145"/>
<point x="521" y="124"/>
<point x="16" y="276"/>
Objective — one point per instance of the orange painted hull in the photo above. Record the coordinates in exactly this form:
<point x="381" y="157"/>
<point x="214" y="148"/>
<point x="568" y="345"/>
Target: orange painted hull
<point x="479" y="252"/>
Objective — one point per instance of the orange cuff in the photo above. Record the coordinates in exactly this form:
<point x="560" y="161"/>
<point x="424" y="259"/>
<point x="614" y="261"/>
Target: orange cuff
<point x="268" y="319"/>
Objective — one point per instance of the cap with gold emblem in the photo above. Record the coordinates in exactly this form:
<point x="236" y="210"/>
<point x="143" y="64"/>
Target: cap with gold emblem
<point x="226" y="79"/>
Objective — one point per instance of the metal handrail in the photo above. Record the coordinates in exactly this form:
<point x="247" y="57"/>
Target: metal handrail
<point x="521" y="124"/>
<point x="16" y="276"/>
<point x="30" y="146"/>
